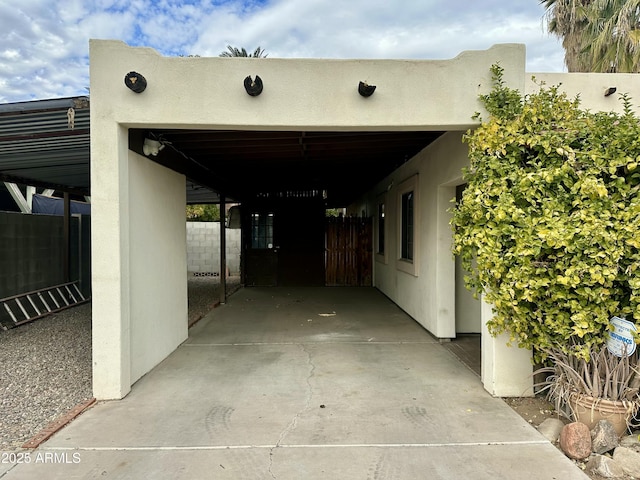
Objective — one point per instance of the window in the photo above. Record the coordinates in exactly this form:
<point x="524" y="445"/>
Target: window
<point x="407" y="227"/>
<point x="262" y="230"/>
<point x="380" y="248"/>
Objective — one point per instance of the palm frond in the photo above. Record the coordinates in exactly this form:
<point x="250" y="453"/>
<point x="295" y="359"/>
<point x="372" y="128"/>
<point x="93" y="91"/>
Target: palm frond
<point x="242" y="52"/>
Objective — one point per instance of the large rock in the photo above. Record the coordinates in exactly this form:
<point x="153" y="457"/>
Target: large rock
<point x="604" y="437"/>
<point x="551" y="429"/>
<point x="629" y="460"/>
<point x="575" y="441"/>
<point x="631" y="440"/>
<point x="605" y="467"/>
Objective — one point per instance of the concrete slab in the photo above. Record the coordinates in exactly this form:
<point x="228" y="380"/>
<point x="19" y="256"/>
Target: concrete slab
<point x="479" y="462"/>
<point x="267" y="387"/>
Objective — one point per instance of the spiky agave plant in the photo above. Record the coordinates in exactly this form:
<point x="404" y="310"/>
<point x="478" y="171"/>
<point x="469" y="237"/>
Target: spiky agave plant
<point x="601" y="376"/>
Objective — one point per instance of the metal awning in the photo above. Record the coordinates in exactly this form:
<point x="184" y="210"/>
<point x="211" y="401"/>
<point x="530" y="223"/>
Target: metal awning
<point x="46" y="143"/>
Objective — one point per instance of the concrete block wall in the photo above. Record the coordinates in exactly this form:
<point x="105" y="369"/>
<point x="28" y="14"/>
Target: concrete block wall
<point x="203" y="248"/>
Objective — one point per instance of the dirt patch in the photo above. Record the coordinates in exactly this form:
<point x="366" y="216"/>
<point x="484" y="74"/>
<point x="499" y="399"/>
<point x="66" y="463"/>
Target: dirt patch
<point x="534" y="410"/>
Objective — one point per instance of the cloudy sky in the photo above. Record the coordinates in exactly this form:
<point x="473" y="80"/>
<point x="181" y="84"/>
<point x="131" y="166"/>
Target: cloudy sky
<point x="44" y="44"/>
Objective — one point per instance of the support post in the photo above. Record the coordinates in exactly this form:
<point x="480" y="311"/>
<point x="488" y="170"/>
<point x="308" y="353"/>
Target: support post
<point x="223" y="251"/>
<point x="506" y="370"/>
<point x="67" y="237"/>
<point x="31" y="191"/>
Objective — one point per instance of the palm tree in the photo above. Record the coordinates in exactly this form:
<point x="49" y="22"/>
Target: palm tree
<point x="597" y="35"/>
<point x="241" y="52"/>
<point x="613" y="34"/>
<point x="567" y="19"/>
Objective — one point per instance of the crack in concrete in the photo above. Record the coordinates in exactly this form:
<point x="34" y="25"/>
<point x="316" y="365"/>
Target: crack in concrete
<point x="7" y="471"/>
<point x="294" y="421"/>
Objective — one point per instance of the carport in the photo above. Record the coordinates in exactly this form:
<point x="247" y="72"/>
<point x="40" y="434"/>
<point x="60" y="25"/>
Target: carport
<point x="310" y="140"/>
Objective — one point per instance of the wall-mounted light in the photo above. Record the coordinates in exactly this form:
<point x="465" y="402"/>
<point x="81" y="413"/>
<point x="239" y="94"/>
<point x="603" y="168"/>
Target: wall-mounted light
<point x="610" y="91"/>
<point x="135" y="82"/>
<point x="365" y="89"/>
<point x="253" y="87"/>
<point x="151" y="147"/>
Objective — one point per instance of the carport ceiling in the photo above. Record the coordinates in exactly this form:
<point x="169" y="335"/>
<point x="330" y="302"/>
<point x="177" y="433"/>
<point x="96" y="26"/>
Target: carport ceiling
<point x="46" y="143"/>
<point x="245" y="164"/>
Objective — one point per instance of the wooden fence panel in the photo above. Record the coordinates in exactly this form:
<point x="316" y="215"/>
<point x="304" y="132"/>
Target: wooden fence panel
<point x="349" y="252"/>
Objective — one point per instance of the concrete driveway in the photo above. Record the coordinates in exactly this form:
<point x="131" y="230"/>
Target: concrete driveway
<point x="307" y="383"/>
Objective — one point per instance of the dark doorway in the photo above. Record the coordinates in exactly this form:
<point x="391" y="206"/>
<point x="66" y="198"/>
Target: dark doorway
<point x="283" y="240"/>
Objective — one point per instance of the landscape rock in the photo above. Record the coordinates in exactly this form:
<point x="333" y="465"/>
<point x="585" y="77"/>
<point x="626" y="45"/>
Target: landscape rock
<point x="604" y="467"/>
<point x="630" y="440"/>
<point x="604" y="437"/>
<point x="551" y="429"/>
<point x="575" y="441"/>
<point x="629" y="460"/>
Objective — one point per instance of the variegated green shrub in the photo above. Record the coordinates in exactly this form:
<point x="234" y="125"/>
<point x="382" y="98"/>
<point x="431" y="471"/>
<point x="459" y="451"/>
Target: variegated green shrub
<point x="549" y="224"/>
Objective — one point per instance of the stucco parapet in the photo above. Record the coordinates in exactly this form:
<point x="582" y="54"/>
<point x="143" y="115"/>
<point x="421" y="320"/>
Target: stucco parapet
<point x="208" y="92"/>
<point x="590" y="87"/>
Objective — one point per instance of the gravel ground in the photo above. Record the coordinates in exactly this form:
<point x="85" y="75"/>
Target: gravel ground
<point x="45" y="365"/>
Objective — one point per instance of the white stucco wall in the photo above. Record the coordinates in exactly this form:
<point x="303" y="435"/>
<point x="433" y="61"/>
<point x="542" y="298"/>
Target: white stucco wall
<point x="158" y="265"/>
<point x="111" y="335"/>
<point x="429" y="294"/>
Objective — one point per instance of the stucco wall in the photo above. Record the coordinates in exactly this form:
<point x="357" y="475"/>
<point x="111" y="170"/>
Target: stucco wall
<point x="298" y="93"/>
<point x="590" y="87"/>
<point x="428" y="295"/>
<point x="158" y="266"/>
<point x="110" y="255"/>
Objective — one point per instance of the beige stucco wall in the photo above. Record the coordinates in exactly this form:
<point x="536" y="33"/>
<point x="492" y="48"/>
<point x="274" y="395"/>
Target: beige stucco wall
<point x="590" y="87"/>
<point x="298" y="93"/>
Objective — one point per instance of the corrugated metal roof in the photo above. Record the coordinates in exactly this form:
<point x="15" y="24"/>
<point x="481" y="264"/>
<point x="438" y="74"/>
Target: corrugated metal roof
<point x="46" y="143"/>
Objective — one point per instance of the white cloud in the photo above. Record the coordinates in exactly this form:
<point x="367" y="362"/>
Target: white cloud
<point x="44" y="43"/>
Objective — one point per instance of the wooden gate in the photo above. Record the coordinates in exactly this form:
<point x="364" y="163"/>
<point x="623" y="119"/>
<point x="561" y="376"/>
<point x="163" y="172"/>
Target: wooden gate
<point x="349" y="250"/>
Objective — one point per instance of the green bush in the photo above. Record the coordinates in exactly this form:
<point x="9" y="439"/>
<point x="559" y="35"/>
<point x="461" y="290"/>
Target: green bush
<point x="549" y="224"/>
<point x="203" y="213"/>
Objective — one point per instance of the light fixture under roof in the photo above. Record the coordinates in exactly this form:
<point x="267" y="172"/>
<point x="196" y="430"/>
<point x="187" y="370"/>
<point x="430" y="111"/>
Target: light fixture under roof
<point x="151" y="147"/>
